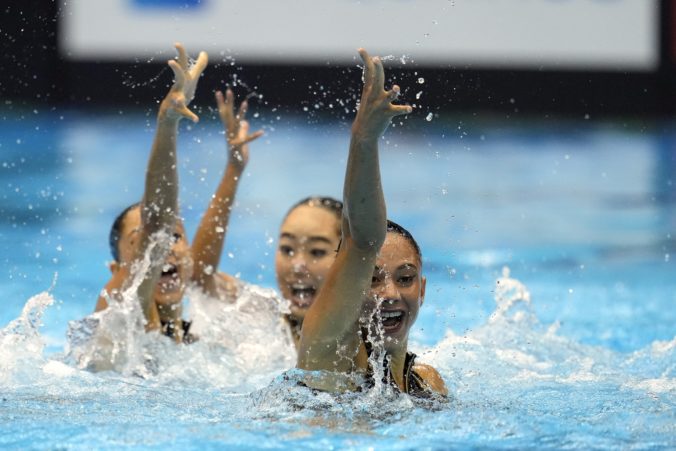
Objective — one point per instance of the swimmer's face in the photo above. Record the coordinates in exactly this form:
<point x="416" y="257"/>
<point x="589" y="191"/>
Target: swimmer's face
<point x="308" y="240"/>
<point x="177" y="268"/>
<point x="397" y="291"/>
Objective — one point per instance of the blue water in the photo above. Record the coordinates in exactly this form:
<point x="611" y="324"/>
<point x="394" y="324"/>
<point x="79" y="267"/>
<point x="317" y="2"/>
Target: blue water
<point x="582" y="213"/>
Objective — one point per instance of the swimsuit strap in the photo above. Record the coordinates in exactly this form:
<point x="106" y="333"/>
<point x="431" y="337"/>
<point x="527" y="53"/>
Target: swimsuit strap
<point x="370" y="373"/>
<point x="408" y="370"/>
<point x="415" y="385"/>
<point x="388" y="378"/>
<point x="188" y="338"/>
<point x="169" y="330"/>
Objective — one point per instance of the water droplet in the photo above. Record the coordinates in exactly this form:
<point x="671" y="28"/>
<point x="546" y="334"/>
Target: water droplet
<point x="429" y="117"/>
<point x="421" y="80"/>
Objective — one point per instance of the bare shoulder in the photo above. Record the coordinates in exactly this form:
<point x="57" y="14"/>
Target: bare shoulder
<point x="227" y="287"/>
<point x="112" y="288"/>
<point x="431" y="378"/>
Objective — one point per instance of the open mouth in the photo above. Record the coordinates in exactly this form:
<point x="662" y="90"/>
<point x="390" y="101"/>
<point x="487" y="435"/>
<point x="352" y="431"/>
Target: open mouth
<point x="302" y="295"/>
<point x="391" y="320"/>
<point x="169" y="278"/>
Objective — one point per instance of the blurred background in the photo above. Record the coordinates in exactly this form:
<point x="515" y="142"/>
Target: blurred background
<point x="542" y="139"/>
<point x="573" y="57"/>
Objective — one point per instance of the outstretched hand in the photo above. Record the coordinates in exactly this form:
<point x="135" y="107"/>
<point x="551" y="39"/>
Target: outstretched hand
<point x="186" y="75"/>
<point x="236" y="127"/>
<point x="376" y="108"/>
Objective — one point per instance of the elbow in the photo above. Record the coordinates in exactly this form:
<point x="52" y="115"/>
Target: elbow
<point x="369" y="239"/>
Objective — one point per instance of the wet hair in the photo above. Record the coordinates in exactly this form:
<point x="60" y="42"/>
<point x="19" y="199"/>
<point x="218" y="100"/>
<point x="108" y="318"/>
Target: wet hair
<point x="328" y="203"/>
<point x="393" y="227"/>
<point x="116" y="231"/>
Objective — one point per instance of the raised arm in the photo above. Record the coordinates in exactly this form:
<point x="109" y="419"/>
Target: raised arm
<point x="330" y="336"/>
<point x="159" y="206"/>
<point x="207" y="246"/>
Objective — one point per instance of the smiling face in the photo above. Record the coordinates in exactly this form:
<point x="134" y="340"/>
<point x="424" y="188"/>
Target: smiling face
<point x="397" y="292"/>
<point x="177" y="267"/>
<point x="308" y="240"/>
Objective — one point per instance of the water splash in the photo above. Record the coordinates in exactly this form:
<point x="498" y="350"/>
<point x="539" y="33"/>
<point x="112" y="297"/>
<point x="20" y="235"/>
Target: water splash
<point x="250" y="333"/>
<point x="510" y="296"/>
<point x="513" y="381"/>
<point x="21" y="345"/>
<point x="514" y="364"/>
<point x="114" y="339"/>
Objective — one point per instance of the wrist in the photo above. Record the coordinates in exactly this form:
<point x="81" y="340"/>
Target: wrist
<point x="369" y="134"/>
<point x="168" y="117"/>
<point x="235" y="166"/>
<point x="362" y="137"/>
<point x="167" y="114"/>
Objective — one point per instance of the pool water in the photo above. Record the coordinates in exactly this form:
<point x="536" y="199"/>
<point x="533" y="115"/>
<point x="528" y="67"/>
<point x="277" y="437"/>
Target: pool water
<point x="574" y="348"/>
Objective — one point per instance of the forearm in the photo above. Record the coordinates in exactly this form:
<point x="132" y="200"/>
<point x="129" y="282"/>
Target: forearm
<point x="364" y="202"/>
<point x="210" y="237"/>
<point x="160" y="198"/>
<point x="330" y="338"/>
<point x="159" y="209"/>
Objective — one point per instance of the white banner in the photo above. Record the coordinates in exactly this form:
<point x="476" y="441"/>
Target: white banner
<point x="548" y="34"/>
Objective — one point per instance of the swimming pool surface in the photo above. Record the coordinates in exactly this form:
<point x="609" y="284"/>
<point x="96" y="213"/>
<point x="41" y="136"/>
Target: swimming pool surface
<point x="581" y="354"/>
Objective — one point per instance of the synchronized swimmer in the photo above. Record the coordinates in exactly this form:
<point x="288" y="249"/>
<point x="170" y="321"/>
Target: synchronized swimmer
<point x="352" y="279"/>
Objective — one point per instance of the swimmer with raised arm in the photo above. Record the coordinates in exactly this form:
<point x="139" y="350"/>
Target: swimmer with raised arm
<point x="374" y="289"/>
<point x="207" y="246"/>
<point x="203" y="257"/>
<point x="152" y="230"/>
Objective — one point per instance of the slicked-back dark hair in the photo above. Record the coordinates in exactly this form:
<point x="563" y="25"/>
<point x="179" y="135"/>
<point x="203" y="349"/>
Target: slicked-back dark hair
<point x="116" y="231"/>
<point x="329" y="203"/>
<point x="396" y="228"/>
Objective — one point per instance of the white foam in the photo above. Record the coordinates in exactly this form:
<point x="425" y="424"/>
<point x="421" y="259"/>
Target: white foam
<point x="666" y="385"/>
<point x="59" y="369"/>
<point x="21" y="344"/>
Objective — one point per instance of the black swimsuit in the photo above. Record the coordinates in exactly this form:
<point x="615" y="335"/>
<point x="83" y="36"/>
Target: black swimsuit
<point x="169" y="329"/>
<point x="414" y="385"/>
